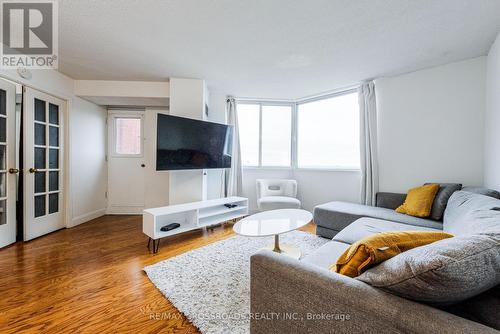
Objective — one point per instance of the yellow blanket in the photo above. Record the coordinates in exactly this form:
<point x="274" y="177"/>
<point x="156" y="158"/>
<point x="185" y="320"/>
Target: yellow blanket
<point x="379" y="247"/>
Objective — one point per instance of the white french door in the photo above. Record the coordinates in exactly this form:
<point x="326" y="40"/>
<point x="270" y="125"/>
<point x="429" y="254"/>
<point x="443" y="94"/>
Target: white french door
<point x="7" y="163"/>
<point x="43" y="163"/>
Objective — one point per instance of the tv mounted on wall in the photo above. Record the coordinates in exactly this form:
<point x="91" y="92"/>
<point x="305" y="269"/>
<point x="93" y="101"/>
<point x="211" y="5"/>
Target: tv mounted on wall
<point x="184" y="143"/>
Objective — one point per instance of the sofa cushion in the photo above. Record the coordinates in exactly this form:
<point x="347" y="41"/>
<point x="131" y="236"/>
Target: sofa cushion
<point x="326" y="255"/>
<point x="338" y="215"/>
<point x="364" y="227"/>
<point x="469" y="213"/>
<point x="441" y="200"/>
<point x="278" y="202"/>
<point x="444" y="272"/>
<point x="389" y="200"/>
<point x="483" y="191"/>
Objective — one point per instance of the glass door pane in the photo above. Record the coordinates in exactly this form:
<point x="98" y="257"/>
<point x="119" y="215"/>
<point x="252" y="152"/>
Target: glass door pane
<point x="3" y="212"/>
<point x="46" y="158"/>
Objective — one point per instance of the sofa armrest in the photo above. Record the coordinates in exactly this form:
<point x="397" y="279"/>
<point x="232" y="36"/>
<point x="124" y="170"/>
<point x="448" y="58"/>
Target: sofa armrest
<point x="389" y="200"/>
<point x="289" y="296"/>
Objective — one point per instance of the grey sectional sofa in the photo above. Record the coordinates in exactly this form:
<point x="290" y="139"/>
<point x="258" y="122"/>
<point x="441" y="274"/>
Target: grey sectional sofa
<point x="303" y="296"/>
<point x="333" y="217"/>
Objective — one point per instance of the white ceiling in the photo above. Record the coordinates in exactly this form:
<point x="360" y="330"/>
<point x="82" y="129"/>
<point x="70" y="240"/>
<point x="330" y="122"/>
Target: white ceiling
<point x="269" y="48"/>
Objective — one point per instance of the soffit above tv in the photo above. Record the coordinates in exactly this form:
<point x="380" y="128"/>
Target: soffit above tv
<point x="114" y="101"/>
<point x="124" y="93"/>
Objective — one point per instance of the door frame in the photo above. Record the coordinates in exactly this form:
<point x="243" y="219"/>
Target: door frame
<point x="111" y="115"/>
<point x="69" y="100"/>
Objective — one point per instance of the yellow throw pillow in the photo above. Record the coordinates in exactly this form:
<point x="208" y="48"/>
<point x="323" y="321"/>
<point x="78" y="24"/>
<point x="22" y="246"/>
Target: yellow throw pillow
<point x="379" y="247"/>
<point x="419" y="201"/>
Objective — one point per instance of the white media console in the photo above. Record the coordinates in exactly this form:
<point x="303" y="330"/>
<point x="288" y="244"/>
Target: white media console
<point x="191" y="216"/>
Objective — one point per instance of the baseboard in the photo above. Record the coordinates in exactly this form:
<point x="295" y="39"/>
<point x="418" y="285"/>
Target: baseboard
<point x="87" y="217"/>
<point x="124" y="210"/>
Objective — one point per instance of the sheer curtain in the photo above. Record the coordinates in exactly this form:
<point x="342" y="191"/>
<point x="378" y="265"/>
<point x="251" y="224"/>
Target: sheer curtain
<point x="234" y="183"/>
<point x="368" y="143"/>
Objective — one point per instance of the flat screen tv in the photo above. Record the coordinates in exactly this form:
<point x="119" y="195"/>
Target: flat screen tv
<point x="184" y="143"/>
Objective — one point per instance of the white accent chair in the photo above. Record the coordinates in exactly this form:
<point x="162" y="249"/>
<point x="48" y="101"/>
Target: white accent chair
<point x="277" y="194"/>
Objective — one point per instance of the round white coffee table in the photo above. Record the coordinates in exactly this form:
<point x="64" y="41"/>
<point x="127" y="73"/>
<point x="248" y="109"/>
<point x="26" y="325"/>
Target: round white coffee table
<point x="274" y="222"/>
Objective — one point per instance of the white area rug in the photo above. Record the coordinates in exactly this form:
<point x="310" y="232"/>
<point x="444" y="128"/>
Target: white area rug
<point x="211" y="285"/>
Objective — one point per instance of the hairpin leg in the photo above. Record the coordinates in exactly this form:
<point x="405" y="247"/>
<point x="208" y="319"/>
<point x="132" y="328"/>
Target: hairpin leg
<point x="155" y="250"/>
<point x="156" y="245"/>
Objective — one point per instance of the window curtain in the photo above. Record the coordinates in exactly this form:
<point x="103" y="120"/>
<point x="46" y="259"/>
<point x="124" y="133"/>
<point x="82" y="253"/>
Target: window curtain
<point x="368" y="143"/>
<point x="234" y="183"/>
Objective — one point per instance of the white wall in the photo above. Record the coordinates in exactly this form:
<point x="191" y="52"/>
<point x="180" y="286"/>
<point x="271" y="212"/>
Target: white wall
<point x="87" y="158"/>
<point x="216" y="113"/>
<point x="318" y="187"/>
<point x="156" y="185"/>
<point x="187" y="99"/>
<point x="430" y="126"/>
<point x="492" y="119"/>
<point x="87" y="202"/>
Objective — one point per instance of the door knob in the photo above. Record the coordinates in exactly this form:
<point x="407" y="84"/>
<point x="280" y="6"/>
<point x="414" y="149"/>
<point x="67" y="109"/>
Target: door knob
<point x="33" y="170"/>
<point x="13" y="170"/>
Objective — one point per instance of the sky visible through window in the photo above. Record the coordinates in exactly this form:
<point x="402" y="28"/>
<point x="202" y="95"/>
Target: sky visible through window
<point x="327" y="133"/>
<point x="276" y="136"/>
<point x="248" y="120"/>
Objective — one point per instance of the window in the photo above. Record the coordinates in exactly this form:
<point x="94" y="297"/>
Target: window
<point x="128" y="135"/>
<point x="328" y="133"/>
<point x="265" y="134"/>
<point x="322" y="133"/>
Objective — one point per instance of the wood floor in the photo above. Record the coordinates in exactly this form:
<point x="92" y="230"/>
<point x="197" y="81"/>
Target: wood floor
<point x="89" y="279"/>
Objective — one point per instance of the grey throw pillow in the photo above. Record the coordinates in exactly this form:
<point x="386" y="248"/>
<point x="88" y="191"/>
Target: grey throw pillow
<point x="444" y="272"/>
<point x="441" y="199"/>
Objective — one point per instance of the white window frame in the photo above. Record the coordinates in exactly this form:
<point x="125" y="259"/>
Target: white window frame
<point x="294" y="133"/>
<point x="134" y="115"/>
<point x="262" y="103"/>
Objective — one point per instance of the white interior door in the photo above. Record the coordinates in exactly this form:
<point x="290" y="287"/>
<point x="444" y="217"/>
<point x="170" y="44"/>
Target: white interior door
<point x="43" y="163"/>
<point x="7" y="163"/>
<point x="126" y="162"/>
